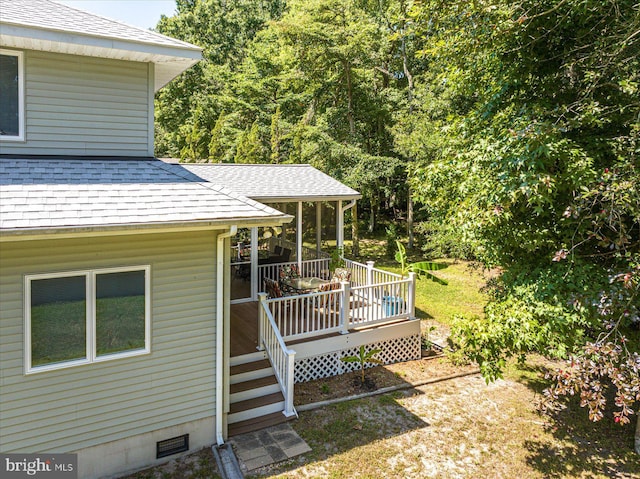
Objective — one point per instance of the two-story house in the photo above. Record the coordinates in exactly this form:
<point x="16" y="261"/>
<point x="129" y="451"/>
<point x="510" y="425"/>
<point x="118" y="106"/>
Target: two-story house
<point x="121" y="275"/>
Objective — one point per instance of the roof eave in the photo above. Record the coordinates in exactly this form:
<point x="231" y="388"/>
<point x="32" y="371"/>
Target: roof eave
<point x="23" y="234"/>
<point x="286" y="199"/>
<point x="170" y="60"/>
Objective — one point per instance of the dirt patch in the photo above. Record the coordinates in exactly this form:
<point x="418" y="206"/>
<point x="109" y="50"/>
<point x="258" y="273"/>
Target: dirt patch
<point x="406" y="373"/>
<point x="461" y="428"/>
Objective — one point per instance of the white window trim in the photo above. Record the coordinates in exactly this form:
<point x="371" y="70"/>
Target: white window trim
<point x="21" y="119"/>
<point x="90" y="292"/>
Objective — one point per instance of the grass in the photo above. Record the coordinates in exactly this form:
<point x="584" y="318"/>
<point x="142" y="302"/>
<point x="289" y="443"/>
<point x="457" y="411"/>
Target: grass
<point x="463" y="294"/>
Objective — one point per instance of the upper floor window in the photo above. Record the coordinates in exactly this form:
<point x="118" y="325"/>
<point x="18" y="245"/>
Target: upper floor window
<point x="83" y="317"/>
<point x="11" y="95"/>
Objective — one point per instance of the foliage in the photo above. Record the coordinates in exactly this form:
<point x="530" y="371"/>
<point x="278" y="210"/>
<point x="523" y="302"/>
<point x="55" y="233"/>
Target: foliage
<point x="526" y="140"/>
<point x="421" y="268"/>
<point x="337" y="259"/>
<point x="316" y="83"/>
<point x="425" y="338"/>
<point x="362" y="358"/>
<point x="612" y="359"/>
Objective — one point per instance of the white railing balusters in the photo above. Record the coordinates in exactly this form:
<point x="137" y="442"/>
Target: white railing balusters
<point x="282" y="359"/>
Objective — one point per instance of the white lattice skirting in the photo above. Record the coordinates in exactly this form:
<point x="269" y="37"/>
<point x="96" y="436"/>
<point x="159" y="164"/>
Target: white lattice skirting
<point x="328" y="364"/>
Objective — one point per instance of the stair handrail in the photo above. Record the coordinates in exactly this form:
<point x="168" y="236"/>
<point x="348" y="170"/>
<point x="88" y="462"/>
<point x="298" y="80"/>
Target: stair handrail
<point x="282" y="359"/>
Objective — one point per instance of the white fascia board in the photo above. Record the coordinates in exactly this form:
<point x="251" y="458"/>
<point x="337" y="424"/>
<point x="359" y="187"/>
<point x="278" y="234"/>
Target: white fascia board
<point x="170" y="60"/>
<point x="25" y="234"/>
<point x="287" y="199"/>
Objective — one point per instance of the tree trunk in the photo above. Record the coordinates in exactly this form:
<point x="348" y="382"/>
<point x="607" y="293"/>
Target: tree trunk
<point x="372" y="218"/>
<point x="410" y="219"/>
<point x="347" y="72"/>
<point x="638" y="435"/>
<point x="355" y="232"/>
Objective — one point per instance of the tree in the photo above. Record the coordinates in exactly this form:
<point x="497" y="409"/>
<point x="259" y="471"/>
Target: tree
<point x="526" y="140"/>
<point x="224" y="28"/>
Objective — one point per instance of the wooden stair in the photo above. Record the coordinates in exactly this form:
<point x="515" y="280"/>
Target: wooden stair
<point x="255" y="399"/>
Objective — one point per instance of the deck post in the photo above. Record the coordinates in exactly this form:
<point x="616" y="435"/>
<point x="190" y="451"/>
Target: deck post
<point x="318" y="228"/>
<point x="262" y="305"/>
<point x="288" y="402"/>
<point x="299" y="235"/>
<point x="345" y="312"/>
<point x="412" y="296"/>
<point x="370" y="265"/>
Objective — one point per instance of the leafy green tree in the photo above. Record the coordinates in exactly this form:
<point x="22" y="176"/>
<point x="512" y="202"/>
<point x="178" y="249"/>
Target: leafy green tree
<point x="526" y="139"/>
<point x="224" y="29"/>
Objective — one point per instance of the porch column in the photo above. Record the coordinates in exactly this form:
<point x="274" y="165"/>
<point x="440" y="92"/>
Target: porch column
<point x="255" y="287"/>
<point x="339" y="226"/>
<point x="299" y="236"/>
<point x="318" y="228"/>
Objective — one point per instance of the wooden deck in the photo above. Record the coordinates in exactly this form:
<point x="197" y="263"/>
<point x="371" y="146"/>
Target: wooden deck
<point x="244" y="328"/>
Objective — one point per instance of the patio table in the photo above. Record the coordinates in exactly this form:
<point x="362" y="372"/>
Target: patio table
<point x="305" y="285"/>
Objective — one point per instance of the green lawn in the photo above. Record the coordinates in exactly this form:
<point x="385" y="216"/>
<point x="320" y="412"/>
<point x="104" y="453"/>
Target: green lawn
<point x="463" y="294"/>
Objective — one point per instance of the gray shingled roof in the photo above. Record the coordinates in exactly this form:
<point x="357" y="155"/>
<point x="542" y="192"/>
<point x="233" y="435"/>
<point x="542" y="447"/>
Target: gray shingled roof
<point x="50" y="15"/>
<point x="50" y="26"/>
<point x="52" y="194"/>
<point x="274" y="182"/>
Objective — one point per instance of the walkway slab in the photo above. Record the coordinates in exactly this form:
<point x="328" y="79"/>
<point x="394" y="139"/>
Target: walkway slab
<point x="268" y="446"/>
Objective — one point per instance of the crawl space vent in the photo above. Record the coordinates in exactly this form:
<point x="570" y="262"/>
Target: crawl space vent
<point x="172" y="446"/>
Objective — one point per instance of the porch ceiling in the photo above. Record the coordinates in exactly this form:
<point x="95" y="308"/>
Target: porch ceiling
<point x="275" y="183"/>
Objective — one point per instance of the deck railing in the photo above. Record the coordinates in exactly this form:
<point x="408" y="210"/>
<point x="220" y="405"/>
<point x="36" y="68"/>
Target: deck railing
<point x="282" y="358"/>
<point x="371" y="297"/>
<point x="308" y="315"/>
<point x="314" y="267"/>
<point x="307" y="253"/>
<point x="380" y="303"/>
<point x="364" y="274"/>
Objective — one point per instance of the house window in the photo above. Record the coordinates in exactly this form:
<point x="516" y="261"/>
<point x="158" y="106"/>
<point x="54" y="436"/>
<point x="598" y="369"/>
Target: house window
<point x="83" y="317"/>
<point x="11" y="95"/>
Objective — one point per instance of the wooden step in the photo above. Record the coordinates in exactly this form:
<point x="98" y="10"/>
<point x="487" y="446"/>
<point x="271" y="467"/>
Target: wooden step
<point x="247" y="358"/>
<point x="255" y="424"/>
<point x="255" y="408"/>
<point x="255" y="402"/>
<point x="252" y="366"/>
<point x="253" y="388"/>
<point x="253" y="384"/>
<point x="249" y="371"/>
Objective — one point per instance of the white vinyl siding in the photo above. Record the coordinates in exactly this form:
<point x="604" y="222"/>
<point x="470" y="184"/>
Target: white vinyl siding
<point x="73" y="408"/>
<point x="77" y="105"/>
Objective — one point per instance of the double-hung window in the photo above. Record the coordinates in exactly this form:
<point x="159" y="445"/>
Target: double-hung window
<point x="11" y="95"/>
<point x="83" y="317"/>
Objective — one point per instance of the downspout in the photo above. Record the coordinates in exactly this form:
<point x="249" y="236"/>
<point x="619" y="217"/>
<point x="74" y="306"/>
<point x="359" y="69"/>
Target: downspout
<point x="340" y="233"/>
<point x="220" y="330"/>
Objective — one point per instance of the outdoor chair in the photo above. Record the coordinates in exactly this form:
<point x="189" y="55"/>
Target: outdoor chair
<point x="272" y="288"/>
<point x="286" y="255"/>
<point x="287" y="273"/>
<point x="329" y="300"/>
<point x="277" y="250"/>
<point x="341" y="274"/>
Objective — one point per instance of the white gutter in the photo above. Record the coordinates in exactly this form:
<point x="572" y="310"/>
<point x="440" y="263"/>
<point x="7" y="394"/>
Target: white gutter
<point x="220" y="330"/>
<point x="348" y="205"/>
<point x="340" y="225"/>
